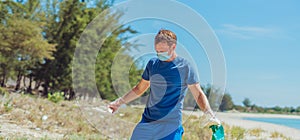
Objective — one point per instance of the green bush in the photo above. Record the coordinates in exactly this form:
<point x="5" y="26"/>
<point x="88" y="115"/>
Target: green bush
<point x="7" y="106"/>
<point x="56" y="97"/>
<point x="3" y="91"/>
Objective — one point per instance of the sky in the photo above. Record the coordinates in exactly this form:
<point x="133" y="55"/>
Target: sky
<point x="259" y="40"/>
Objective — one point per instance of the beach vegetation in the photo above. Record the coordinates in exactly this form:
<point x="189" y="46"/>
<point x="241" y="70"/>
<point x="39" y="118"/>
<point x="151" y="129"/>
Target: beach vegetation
<point x="247" y="102"/>
<point x="276" y="134"/>
<point x="253" y="108"/>
<point x="38" y="40"/>
<point x="237" y="132"/>
<point x="56" y="97"/>
<point x="255" y="132"/>
<point x="69" y="119"/>
<point x="7" y="106"/>
<point x="227" y="103"/>
<point x="3" y="91"/>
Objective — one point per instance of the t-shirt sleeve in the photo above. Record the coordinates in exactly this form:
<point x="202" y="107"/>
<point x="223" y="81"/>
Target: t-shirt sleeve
<point x="192" y="76"/>
<point x="146" y="72"/>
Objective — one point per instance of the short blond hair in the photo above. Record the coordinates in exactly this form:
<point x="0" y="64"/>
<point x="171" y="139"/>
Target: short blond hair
<point x="166" y="36"/>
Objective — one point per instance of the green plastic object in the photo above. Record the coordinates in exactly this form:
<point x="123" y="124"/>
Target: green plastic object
<point x="218" y="132"/>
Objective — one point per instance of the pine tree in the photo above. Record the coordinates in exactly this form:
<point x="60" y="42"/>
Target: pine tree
<point x="22" y="46"/>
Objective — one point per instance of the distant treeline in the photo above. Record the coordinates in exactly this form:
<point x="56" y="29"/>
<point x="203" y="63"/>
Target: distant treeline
<point x="249" y="107"/>
<point x="226" y="104"/>
<point x="38" y="40"/>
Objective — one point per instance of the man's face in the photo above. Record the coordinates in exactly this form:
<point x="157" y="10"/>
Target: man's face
<point x="163" y="47"/>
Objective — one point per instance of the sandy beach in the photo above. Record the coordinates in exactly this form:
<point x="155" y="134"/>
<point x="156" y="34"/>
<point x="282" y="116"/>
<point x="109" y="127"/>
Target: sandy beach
<point x="236" y="119"/>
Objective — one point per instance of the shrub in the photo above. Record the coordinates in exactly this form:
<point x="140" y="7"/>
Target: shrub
<point x="56" y="97"/>
<point x="8" y="106"/>
<point x="237" y="132"/>
<point x="276" y="134"/>
<point x="3" y="91"/>
<point x="256" y="132"/>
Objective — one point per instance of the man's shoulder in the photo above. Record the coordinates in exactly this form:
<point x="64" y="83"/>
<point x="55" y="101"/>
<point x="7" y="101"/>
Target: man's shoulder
<point x="153" y="60"/>
<point x="183" y="60"/>
<point x="180" y="58"/>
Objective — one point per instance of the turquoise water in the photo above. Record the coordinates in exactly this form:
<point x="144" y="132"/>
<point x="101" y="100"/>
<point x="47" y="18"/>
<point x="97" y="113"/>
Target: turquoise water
<point x="293" y="123"/>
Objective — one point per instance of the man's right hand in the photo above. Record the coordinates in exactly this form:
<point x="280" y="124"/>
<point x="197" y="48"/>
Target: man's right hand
<point x="134" y="93"/>
<point x="209" y="118"/>
<point x="114" y="106"/>
<point x="214" y="121"/>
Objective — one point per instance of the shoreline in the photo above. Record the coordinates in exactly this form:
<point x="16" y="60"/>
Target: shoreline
<point x="236" y="119"/>
<point x="259" y="115"/>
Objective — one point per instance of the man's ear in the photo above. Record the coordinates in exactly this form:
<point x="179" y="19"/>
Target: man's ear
<point x="174" y="46"/>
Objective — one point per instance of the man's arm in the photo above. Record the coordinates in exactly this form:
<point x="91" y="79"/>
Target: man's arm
<point x="204" y="105"/>
<point x="134" y="93"/>
<point x="200" y="97"/>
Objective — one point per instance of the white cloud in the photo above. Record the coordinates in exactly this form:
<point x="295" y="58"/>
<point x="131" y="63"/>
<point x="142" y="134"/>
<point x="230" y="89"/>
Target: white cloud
<point x="246" y="32"/>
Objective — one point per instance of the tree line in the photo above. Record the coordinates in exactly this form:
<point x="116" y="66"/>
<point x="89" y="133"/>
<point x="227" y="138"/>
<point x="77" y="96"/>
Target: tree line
<point x="248" y="106"/>
<point x="38" y="40"/>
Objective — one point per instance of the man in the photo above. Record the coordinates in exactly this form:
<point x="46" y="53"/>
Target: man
<point x="168" y="77"/>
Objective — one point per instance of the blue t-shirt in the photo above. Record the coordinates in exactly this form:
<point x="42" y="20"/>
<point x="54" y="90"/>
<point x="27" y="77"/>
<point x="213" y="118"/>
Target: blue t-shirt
<point x="168" y="86"/>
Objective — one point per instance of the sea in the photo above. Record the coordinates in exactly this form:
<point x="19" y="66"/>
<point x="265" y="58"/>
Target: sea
<point x="289" y="122"/>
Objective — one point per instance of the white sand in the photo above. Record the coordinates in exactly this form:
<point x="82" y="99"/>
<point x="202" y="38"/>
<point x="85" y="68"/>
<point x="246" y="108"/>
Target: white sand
<point x="236" y="119"/>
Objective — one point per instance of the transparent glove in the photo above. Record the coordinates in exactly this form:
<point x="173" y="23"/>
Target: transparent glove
<point x="114" y="106"/>
<point x="209" y="119"/>
<point x="214" y="121"/>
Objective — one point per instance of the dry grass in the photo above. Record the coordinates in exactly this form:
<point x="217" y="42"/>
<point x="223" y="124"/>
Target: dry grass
<point x="85" y="120"/>
<point x="237" y="132"/>
<point x="131" y="114"/>
<point x="193" y="130"/>
<point x="277" y="135"/>
<point x="61" y="118"/>
<point x="256" y="132"/>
